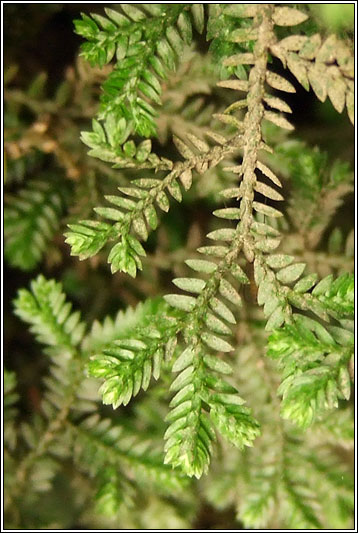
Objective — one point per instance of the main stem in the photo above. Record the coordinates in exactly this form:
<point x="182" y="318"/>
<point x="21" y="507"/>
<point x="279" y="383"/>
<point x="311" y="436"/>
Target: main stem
<point x="251" y="142"/>
<point x="251" y="139"/>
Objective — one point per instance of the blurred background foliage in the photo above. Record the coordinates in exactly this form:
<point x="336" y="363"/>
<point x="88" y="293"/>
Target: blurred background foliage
<point x="50" y="97"/>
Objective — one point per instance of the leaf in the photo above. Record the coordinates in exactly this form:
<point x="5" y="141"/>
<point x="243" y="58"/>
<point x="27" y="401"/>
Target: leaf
<point x="162" y="201"/>
<point x="230" y="213"/>
<point x="242" y="35"/>
<point x="240" y="10"/>
<point x="293" y="43"/>
<point x="184" y="360"/>
<point x="175" y="40"/>
<point x="318" y="80"/>
<point x="277" y="103"/>
<point x="216" y="251"/>
<point x="265" y="170"/>
<point x="119" y="201"/>
<point x="186" y="179"/>
<point x="264" y="189"/>
<point x="344" y="382"/>
<point x="280" y="83"/>
<point x="185" y="303"/>
<point x="197" y="11"/>
<point x="323" y="286"/>
<point x="222" y="310"/>
<point x="236" y="424"/>
<point x="233" y="192"/>
<point x="278" y="120"/>
<point x="350" y="105"/>
<point x="116" y="17"/>
<point x="225" y="234"/>
<point x="237" y="85"/>
<point x="151" y="216"/>
<point x="227" y="291"/>
<point x="110" y="213"/>
<point x="239" y="274"/>
<point x="143" y="150"/>
<point x="140" y="228"/>
<point x="239" y="59"/>
<point x="216" y="364"/>
<point x="198" y="143"/>
<point x="298" y="68"/>
<point x="219" y="139"/>
<point x="166" y="53"/>
<point x="183" y="379"/>
<point x="190" y="284"/>
<point x="216" y="343"/>
<point x="175" y="191"/>
<point x="266" y="291"/>
<point x="264" y="229"/>
<point x="266" y="210"/>
<point x="311" y="47"/>
<point x="291" y="273"/>
<point x="183" y="148"/>
<point x="305" y="284"/>
<point x="184" y="26"/>
<point x="267" y="245"/>
<point x="286" y="16"/>
<point x="336" y="89"/>
<point x="215" y="325"/>
<point x="276" y="319"/>
<point x="279" y="260"/>
<point x="201" y="265"/>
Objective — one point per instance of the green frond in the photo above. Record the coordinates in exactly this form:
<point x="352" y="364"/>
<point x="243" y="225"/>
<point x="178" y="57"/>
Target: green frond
<point x="49" y="316"/>
<point x="135" y="352"/>
<point x="123" y="325"/>
<point x="98" y="443"/>
<point x="147" y="42"/>
<point x="31" y="219"/>
<point x="199" y="389"/>
<point x="112" y="491"/>
<point x="314" y="368"/>
<point x="135" y="211"/>
<point x="328" y="296"/>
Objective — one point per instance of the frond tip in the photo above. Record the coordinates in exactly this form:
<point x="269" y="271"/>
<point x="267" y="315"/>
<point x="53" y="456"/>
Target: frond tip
<point x="50" y="317"/>
<point x="315" y="362"/>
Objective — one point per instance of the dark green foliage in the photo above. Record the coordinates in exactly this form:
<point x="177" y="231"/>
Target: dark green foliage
<point x="31" y="219"/>
<point x="146" y="42"/>
<point x="69" y="426"/>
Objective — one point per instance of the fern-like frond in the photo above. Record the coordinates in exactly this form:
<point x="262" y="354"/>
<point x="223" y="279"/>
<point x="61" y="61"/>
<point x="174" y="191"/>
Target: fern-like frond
<point x="99" y="443"/>
<point x="201" y="391"/>
<point x="136" y="209"/>
<point x="31" y="219"/>
<point x="123" y="325"/>
<point x="128" y="351"/>
<point x="146" y="41"/>
<point x="326" y="66"/>
<point x="49" y="316"/>
<point x="127" y="364"/>
<point x="314" y="367"/>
